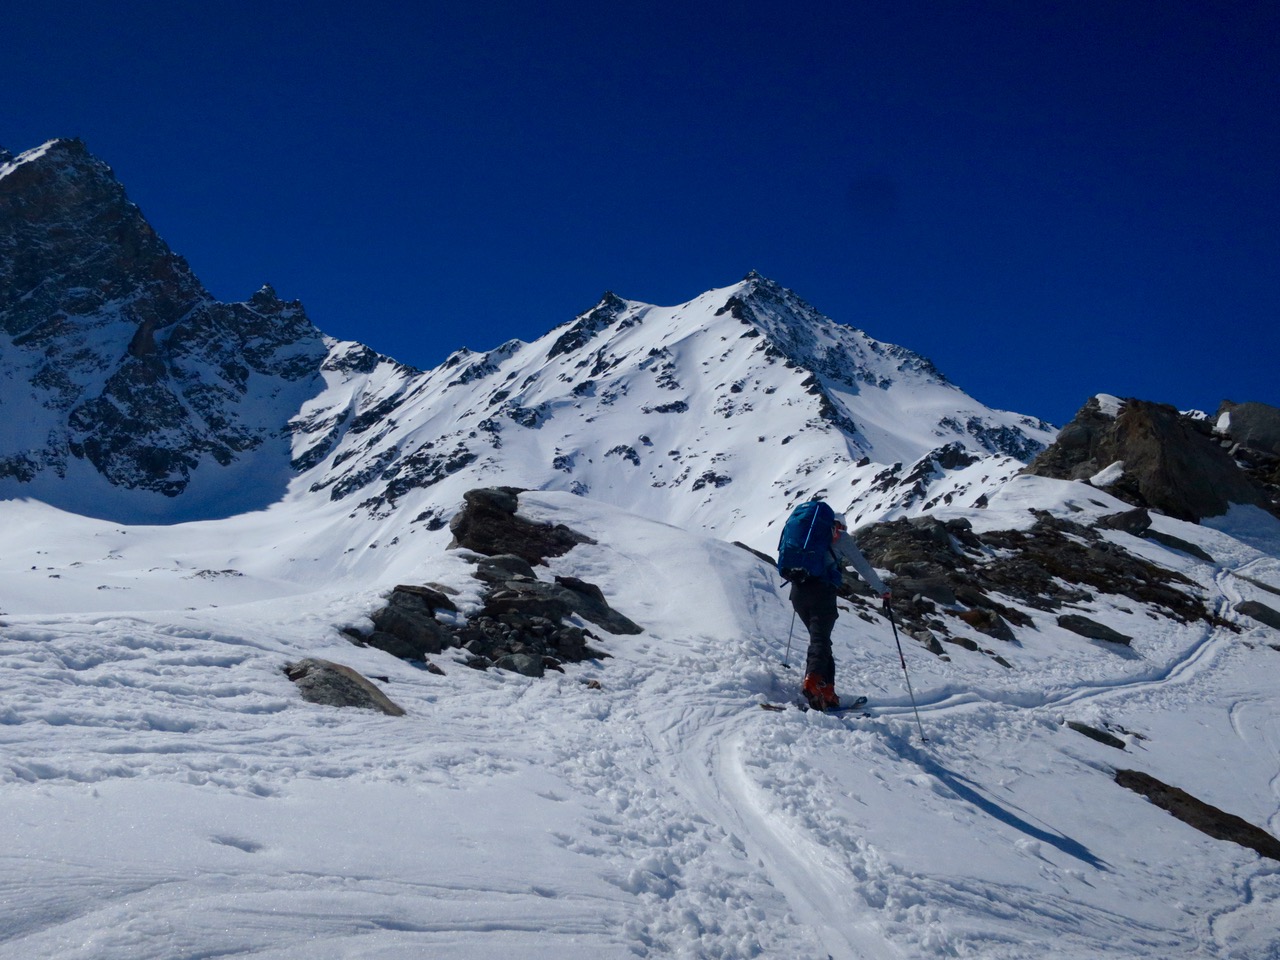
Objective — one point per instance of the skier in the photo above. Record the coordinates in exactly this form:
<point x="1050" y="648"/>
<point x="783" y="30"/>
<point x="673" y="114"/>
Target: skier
<point x="814" y="548"/>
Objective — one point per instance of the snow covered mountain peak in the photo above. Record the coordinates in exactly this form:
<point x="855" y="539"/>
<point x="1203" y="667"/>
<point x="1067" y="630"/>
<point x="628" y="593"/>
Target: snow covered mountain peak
<point x="154" y="401"/>
<point x="662" y="409"/>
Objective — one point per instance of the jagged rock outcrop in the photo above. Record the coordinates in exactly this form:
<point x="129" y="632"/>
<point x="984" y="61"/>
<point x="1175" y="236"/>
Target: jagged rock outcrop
<point x="943" y="574"/>
<point x="521" y="624"/>
<point x="1250" y="432"/>
<point x="1253" y="426"/>
<point x="488" y="524"/>
<point x="131" y="363"/>
<point x="1150" y="455"/>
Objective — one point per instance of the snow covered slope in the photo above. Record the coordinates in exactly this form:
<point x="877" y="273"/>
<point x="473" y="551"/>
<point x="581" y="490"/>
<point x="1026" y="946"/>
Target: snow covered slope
<point x="168" y="795"/>
<point x="194" y="493"/>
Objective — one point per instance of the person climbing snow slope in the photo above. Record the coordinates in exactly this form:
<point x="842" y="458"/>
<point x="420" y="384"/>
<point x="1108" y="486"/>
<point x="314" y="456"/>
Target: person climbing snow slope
<point x="813" y="550"/>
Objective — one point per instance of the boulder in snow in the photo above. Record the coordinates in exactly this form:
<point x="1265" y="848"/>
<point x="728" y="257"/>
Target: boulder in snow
<point x="1092" y="629"/>
<point x="337" y="685"/>
<point x="1260" y="612"/>
<point x="1204" y="817"/>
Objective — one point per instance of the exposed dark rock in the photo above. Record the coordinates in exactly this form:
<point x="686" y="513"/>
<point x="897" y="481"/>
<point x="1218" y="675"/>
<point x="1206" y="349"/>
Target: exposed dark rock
<point x="554" y="601"/>
<point x="488" y="524"/>
<point x="394" y="645"/>
<point x="521" y="624"/>
<point x="336" y="685"/>
<point x="1182" y="546"/>
<point x="712" y="479"/>
<point x="1254" y="425"/>
<point x="434" y="596"/>
<point x="1058" y="562"/>
<point x="1169" y="462"/>
<point x="526" y="598"/>
<point x="187" y="389"/>
<point x="1204" y="817"/>
<point x="410" y="618"/>
<point x="989" y="622"/>
<point x="1260" y="612"/>
<point x="1251" y="433"/>
<point x="1054" y="563"/>
<point x="1092" y="629"/>
<point x="504" y="567"/>
<point x="528" y="664"/>
<point x="1135" y="521"/>
<point x="934" y="588"/>
<point x="581" y="331"/>
<point x="1093" y="733"/>
<point x="589" y="603"/>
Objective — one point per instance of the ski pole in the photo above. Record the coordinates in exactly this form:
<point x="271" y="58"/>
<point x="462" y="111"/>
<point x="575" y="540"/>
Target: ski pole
<point x="903" y="660"/>
<point x="787" y="656"/>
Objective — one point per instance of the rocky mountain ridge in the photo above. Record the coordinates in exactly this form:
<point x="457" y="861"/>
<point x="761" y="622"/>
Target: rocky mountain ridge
<point x="139" y="396"/>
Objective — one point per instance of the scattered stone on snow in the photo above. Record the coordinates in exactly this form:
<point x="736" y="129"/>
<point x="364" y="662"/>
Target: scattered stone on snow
<point x="336" y="685"/>
<point x="985" y="581"/>
<point x="1204" y="817"/>
<point x="1260" y="612"/>
<point x="1092" y="630"/>
<point x="1093" y="733"/>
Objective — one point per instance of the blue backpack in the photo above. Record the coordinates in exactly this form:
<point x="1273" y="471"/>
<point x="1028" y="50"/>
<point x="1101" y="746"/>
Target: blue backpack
<point x="806" y="541"/>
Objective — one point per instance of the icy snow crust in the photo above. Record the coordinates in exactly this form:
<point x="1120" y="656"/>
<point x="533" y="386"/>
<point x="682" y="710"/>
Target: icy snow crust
<point x="167" y="794"/>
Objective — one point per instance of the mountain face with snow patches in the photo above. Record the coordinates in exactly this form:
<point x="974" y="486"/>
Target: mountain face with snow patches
<point x="196" y="495"/>
<point x="121" y="373"/>
<point x="167" y="404"/>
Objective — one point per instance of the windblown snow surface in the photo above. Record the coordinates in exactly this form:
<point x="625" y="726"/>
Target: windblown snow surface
<point x="167" y="794"/>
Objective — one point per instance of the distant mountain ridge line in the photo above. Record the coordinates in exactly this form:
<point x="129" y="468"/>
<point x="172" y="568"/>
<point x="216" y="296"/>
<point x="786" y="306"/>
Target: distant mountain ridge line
<point x="134" y="382"/>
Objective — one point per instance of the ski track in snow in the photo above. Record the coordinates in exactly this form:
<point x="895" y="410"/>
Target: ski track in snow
<point x="168" y="795"/>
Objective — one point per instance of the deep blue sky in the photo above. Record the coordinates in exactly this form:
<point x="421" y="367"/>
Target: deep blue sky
<point x="1047" y="199"/>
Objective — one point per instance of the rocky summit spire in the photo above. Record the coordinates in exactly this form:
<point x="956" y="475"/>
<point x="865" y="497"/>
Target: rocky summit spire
<point x="121" y="362"/>
<point x="71" y="242"/>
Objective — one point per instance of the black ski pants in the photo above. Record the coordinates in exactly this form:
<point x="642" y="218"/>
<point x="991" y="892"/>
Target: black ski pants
<point x="815" y="604"/>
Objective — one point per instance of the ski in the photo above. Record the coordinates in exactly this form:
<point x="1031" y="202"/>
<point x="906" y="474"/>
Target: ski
<point x="856" y="705"/>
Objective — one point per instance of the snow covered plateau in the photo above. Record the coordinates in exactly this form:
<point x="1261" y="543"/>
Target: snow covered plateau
<point x="194" y="494"/>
